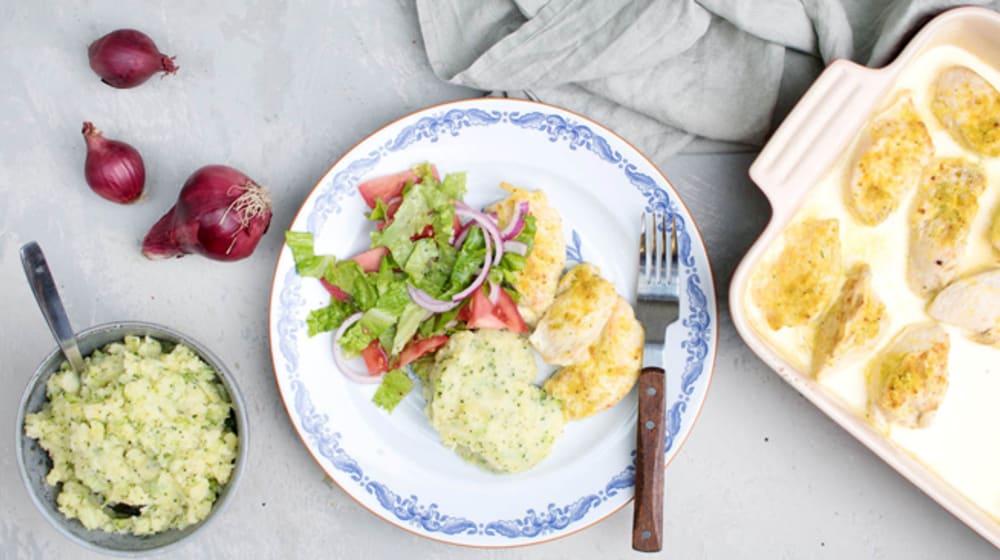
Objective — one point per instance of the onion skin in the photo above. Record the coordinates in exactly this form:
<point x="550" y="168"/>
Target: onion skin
<point x="220" y="214"/>
<point x="114" y="170"/>
<point x="126" y="58"/>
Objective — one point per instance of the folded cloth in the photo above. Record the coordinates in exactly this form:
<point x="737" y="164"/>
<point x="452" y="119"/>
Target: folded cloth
<point x="698" y="75"/>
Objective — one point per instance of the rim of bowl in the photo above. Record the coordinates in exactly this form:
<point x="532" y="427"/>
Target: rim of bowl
<point x="160" y="332"/>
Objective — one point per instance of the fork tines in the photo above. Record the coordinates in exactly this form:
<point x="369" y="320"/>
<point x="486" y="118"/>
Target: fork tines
<point x="658" y="259"/>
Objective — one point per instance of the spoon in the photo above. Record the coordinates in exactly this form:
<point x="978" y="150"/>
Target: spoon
<point x="47" y="297"/>
<point x="43" y="286"/>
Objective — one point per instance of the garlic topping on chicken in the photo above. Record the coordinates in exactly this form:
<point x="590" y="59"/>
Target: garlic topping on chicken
<point x="852" y="325"/>
<point x="908" y="380"/>
<point x="947" y="202"/>
<point x="583" y="304"/>
<point x="969" y="108"/>
<point x="801" y="282"/>
<point x="898" y="148"/>
<point x="609" y="370"/>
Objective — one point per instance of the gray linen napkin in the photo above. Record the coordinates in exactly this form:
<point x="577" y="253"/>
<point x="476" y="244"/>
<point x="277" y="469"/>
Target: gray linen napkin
<point x="705" y="75"/>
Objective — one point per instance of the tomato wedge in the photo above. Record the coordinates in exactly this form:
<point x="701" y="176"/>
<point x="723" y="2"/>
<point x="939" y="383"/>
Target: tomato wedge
<point x="418" y="347"/>
<point x="335" y="292"/>
<point x="371" y="259"/>
<point x="376" y="359"/>
<point x="506" y="311"/>
<point x="465" y="311"/>
<point x="479" y="313"/>
<point x="388" y="187"/>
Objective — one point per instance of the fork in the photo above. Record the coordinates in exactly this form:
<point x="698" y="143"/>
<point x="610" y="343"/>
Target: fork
<point x="658" y="307"/>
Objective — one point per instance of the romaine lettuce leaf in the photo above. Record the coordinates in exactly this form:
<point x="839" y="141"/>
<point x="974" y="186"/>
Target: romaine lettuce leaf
<point x="453" y="186"/>
<point x="395" y="385"/>
<point x="512" y="261"/>
<point x="330" y="317"/>
<point x="355" y="339"/>
<point x="380" y="212"/>
<point x="375" y="321"/>
<point x="348" y="276"/>
<point x="437" y="324"/>
<point x="430" y="265"/>
<point x="385" y="339"/>
<point x="410" y="219"/>
<point x="426" y="172"/>
<point x="527" y="235"/>
<point x="407" y="326"/>
<point x="394" y="299"/>
<point x="307" y="263"/>
<point x="468" y="262"/>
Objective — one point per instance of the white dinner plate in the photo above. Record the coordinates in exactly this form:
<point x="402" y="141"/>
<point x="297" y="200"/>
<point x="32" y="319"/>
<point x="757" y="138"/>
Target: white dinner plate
<point x="394" y="464"/>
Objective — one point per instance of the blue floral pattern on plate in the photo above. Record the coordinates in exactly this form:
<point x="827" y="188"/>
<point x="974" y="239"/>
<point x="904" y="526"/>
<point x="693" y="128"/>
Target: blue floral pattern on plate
<point x="290" y="325"/>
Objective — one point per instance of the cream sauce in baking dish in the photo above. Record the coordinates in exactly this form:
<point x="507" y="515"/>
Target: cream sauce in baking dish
<point x="962" y="443"/>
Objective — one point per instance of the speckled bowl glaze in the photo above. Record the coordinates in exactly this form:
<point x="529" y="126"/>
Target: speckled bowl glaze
<point x="34" y="462"/>
<point x="803" y="149"/>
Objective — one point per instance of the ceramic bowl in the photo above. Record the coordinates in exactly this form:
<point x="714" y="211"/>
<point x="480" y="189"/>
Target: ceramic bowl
<point x="801" y="152"/>
<point x="34" y="462"/>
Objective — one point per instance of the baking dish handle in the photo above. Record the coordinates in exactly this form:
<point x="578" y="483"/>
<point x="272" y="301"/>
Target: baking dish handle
<point x="817" y="131"/>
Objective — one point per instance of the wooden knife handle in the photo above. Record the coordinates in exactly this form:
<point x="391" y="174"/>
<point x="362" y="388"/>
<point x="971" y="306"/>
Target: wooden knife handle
<point x="647" y="519"/>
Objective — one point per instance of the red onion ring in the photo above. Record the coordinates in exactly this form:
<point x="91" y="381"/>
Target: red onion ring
<point x="515" y="247"/>
<point x="494" y="296"/>
<point x="396" y="199"/>
<point x="516" y="224"/>
<point x="487" y="224"/>
<point x="429" y="302"/>
<point x="463" y="232"/>
<point x="344" y="367"/>
<point x="483" y="273"/>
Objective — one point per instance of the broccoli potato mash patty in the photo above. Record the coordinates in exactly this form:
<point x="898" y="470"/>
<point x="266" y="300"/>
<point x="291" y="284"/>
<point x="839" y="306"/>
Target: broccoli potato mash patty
<point x="484" y="405"/>
<point x="143" y="428"/>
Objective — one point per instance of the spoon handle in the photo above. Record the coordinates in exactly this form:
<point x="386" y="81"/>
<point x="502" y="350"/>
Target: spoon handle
<point x="47" y="297"/>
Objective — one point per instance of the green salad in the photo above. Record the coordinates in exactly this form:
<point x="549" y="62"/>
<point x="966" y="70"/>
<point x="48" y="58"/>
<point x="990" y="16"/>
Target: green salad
<point x="435" y="267"/>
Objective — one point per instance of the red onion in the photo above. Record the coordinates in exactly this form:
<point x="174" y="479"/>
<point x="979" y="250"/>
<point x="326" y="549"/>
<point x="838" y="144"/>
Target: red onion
<point x="356" y="375"/>
<point x="515" y="247"/>
<point x="429" y="302"/>
<point x="488" y="225"/>
<point x="220" y="213"/>
<point x="516" y="224"/>
<point x="126" y="58"/>
<point x="494" y="295"/>
<point x="463" y="232"/>
<point x="114" y="170"/>
<point x="483" y="273"/>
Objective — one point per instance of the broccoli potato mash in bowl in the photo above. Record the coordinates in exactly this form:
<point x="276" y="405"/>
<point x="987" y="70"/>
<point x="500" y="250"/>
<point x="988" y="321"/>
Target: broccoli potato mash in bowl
<point x="140" y="450"/>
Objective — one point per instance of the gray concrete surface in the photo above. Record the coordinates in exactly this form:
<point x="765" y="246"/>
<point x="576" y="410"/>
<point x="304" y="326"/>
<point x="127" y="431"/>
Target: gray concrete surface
<point x="280" y="90"/>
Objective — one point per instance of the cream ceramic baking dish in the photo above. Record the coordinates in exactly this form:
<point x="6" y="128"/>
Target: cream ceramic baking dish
<point x="807" y="150"/>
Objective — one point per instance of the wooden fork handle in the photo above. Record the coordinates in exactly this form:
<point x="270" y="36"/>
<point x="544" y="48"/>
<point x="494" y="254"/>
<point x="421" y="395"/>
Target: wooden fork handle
<point x="647" y="519"/>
